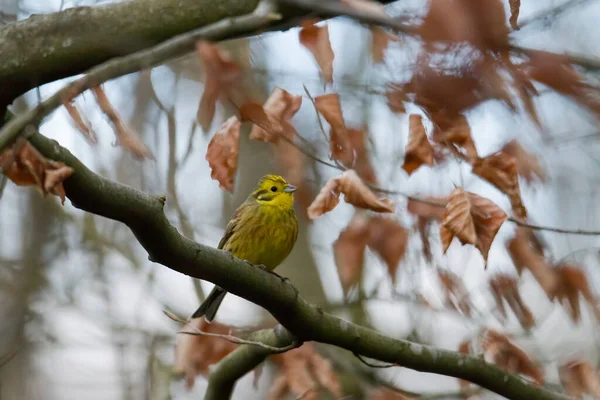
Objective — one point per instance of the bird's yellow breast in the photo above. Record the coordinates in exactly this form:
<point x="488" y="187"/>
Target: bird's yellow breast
<point x="263" y="235"/>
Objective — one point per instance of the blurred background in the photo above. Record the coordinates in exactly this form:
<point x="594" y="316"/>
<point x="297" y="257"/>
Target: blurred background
<point x="82" y="306"/>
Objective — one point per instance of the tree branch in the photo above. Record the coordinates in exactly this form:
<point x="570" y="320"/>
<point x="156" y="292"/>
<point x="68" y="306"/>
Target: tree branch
<point x="143" y="214"/>
<point x="242" y="360"/>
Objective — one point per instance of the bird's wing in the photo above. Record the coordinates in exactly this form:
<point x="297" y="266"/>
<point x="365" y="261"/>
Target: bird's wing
<point x="232" y="226"/>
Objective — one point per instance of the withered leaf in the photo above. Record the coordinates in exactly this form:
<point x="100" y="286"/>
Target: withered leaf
<point x="361" y="163"/>
<point x="505" y="287"/>
<point x="194" y="353"/>
<point x="456" y="293"/>
<point x="527" y="164"/>
<point x="302" y="371"/>
<point x="388" y="239"/>
<point x="126" y="137"/>
<point x="330" y="108"/>
<point x="24" y="165"/>
<point x="433" y="208"/>
<point x="355" y="191"/>
<point x="396" y="97"/>
<point x="282" y="106"/>
<point x="81" y="123"/>
<point x="579" y="377"/>
<point x="515" y="6"/>
<point x="316" y="40"/>
<point x="454" y="132"/>
<point x="349" y="250"/>
<point x="418" y="150"/>
<point x="222" y="78"/>
<point x="500" y="169"/>
<point x="525" y="253"/>
<point x="222" y="153"/>
<point x="571" y="283"/>
<point x="272" y="128"/>
<point x="504" y="353"/>
<point x="380" y="39"/>
<point x="472" y="219"/>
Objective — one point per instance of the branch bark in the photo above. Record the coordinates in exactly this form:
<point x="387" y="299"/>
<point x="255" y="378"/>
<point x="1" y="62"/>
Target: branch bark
<point x="244" y="359"/>
<point x="143" y="214"/>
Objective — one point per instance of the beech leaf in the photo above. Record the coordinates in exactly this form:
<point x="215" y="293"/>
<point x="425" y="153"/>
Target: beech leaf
<point x="24" y="165"/>
<point x="81" y="123"/>
<point x="418" y="150"/>
<point x="272" y="128"/>
<point x="515" y="5"/>
<point x="455" y="132"/>
<point x="571" y="283"/>
<point x="222" y="153"/>
<point x="361" y="163"/>
<point x="472" y="219"/>
<point x="222" y="78"/>
<point x="500" y="169"/>
<point x="395" y="98"/>
<point x="456" y="293"/>
<point x="316" y="40"/>
<point x="349" y="251"/>
<point x="126" y="137"/>
<point x="281" y="106"/>
<point x="527" y="164"/>
<point x="506" y="288"/>
<point x="329" y="106"/>
<point x="579" y="377"/>
<point x="388" y="239"/>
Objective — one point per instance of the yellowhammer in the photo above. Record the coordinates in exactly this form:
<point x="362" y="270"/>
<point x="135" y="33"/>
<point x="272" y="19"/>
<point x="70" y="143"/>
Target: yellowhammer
<point x="262" y="231"/>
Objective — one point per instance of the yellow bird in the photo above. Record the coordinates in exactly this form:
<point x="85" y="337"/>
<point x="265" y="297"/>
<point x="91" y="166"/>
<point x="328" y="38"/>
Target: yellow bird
<point x="262" y="231"/>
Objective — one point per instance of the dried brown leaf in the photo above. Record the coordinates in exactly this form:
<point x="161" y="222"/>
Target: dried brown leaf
<point x="454" y="132"/>
<point x="349" y="251"/>
<point x="222" y="79"/>
<point x="24" y="165"/>
<point x="418" y="150"/>
<point x="579" y="377"/>
<point x="194" y="353"/>
<point x="222" y="153"/>
<point x="388" y="239"/>
<point x="428" y="209"/>
<point x="525" y="253"/>
<point x="361" y="163"/>
<point x="571" y="283"/>
<point x="272" y="128"/>
<point x="515" y="6"/>
<point x="500" y="169"/>
<point x="355" y="191"/>
<point x="81" y="123"/>
<point x="472" y="219"/>
<point x="304" y="369"/>
<point x="504" y="353"/>
<point x="281" y="106"/>
<point x="456" y="293"/>
<point x="331" y="109"/>
<point x="126" y="137"/>
<point x="505" y="288"/>
<point x="380" y="40"/>
<point x="316" y="40"/>
<point x="527" y="164"/>
<point x="396" y="98"/>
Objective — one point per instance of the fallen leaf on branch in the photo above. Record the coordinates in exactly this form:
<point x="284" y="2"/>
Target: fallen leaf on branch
<point x="456" y="293"/>
<point x="515" y="5"/>
<point x="349" y="251"/>
<point x="272" y="128"/>
<point x="580" y="378"/>
<point x="526" y="253"/>
<point x="222" y="153"/>
<point x="81" y="123"/>
<point x="571" y="283"/>
<point x="555" y="71"/>
<point x="498" y="349"/>
<point x="527" y="164"/>
<point x="500" y="169"/>
<point x="222" y="79"/>
<point x="328" y="105"/>
<point x="194" y="353"/>
<point x="418" y="149"/>
<point x="126" y="137"/>
<point x="282" y="106"/>
<point x="505" y="287"/>
<point x="301" y="372"/>
<point x="455" y="132"/>
<point x="355" y="192"/>
<point x="26" y="166"/>
<point x="316" y="40"/>
<point x="472" y="219"/>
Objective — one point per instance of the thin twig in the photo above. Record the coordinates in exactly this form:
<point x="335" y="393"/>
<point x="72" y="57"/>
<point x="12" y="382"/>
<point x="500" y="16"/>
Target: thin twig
<point x="262" y="16"/>
<point x="312" y="100"/>
<point x="230" y="338"/>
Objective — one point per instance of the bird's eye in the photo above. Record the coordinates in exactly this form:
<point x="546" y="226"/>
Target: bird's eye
<point x="273" y="188"/>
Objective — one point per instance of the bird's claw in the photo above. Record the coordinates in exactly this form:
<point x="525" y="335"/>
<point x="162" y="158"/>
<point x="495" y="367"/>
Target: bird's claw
<point x="263" y="267"/>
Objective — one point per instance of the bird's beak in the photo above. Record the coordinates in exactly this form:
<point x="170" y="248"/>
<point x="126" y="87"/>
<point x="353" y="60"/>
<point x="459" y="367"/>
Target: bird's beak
<point x="290" y="189"/>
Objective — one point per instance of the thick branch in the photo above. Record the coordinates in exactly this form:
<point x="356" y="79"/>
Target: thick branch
<point x="143" y="214"/>
<point x="244" y="359"/>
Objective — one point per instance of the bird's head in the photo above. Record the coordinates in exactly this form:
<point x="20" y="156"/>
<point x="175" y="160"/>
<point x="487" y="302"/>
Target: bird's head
<point x="273" y="190"/>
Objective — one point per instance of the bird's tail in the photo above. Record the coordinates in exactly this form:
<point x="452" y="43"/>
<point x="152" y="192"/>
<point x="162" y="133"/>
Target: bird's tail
<point x="210" y="306"/>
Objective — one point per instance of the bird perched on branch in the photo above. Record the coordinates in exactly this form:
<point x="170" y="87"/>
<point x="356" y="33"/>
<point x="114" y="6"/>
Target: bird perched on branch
<point x="262" y="231"/>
